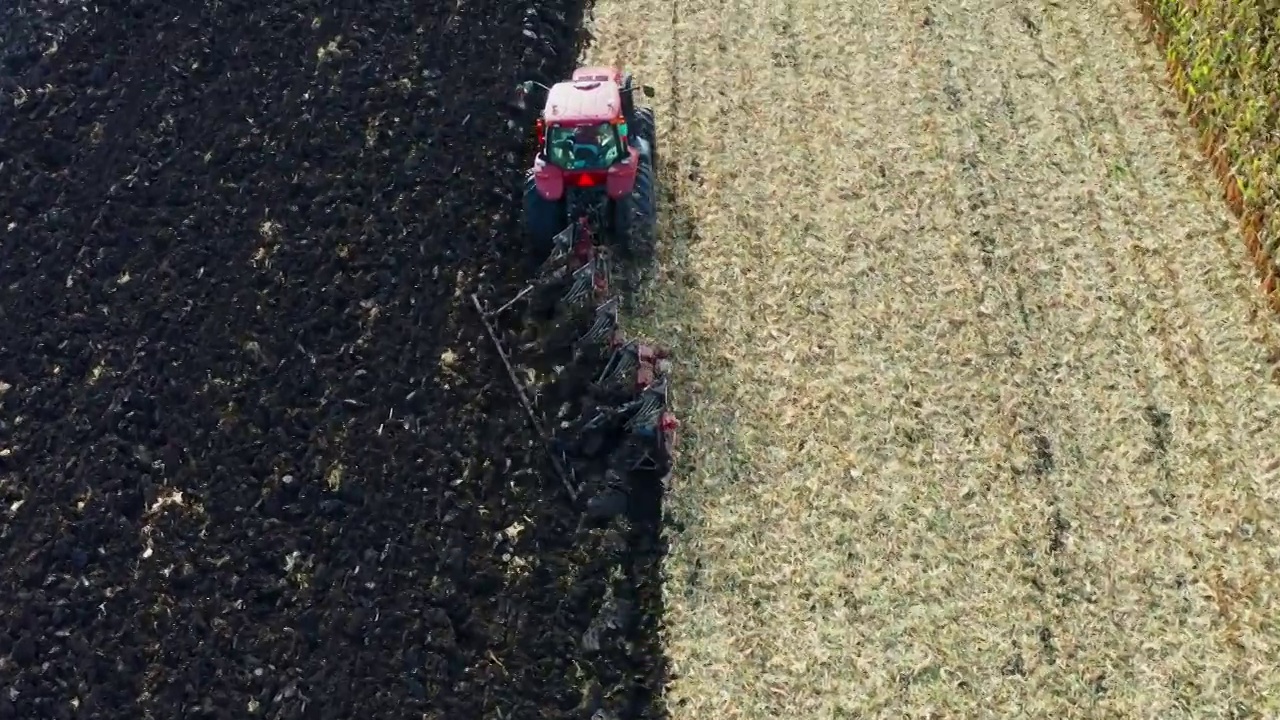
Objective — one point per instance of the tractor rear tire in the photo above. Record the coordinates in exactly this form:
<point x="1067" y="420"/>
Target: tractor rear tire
<point x="543" y="220"/>
<point x="637" y="215"/>
<point x="636" y="230"/>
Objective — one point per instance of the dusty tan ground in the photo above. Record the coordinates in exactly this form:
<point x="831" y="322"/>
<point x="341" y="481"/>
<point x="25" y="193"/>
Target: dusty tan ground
<point x="979" y="389"/>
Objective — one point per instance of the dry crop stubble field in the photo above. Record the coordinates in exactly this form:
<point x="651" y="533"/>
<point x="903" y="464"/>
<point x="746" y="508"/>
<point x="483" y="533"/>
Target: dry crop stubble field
<point x="980" y="397"/>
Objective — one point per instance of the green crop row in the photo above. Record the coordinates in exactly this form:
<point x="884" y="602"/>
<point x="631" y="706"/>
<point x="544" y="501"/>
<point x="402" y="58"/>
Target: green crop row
<point x="1224" y="58"/>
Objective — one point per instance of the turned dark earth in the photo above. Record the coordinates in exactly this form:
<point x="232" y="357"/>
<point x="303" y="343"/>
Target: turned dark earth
<point x="257" y="457"/>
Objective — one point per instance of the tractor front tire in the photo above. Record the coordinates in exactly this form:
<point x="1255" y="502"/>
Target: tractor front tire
<point x="636" y="230"/>
<point x="641" y="124"/>
<point x="628" y="95"/>
<point x="543" y="220"/>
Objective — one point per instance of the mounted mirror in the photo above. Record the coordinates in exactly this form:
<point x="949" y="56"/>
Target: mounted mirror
<point x="647" y="90"/>
<point x="523" y="101"/>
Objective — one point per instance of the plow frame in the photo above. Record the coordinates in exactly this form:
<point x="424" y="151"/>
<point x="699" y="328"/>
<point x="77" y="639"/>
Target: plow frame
<point x="632" y="388"/>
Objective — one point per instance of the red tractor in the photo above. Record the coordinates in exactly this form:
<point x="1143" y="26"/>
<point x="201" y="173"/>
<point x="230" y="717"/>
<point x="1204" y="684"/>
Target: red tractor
<point x="596" y="159"/>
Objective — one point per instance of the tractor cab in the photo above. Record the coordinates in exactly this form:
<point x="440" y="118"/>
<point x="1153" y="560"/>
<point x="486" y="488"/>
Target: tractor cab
<point x="586" y="147"/>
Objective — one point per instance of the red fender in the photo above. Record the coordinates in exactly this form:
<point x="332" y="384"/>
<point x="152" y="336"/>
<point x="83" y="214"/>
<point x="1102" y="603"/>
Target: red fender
<point x="548" y="179"/>
<point x="622" y="176"/>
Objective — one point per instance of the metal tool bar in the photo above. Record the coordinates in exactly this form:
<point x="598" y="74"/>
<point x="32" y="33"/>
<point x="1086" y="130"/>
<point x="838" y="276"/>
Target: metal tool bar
<point x="556" y="463"/>
<point x="494" y="313"/>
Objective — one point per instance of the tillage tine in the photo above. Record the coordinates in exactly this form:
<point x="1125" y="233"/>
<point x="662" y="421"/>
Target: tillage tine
<point x="653" y="400"/>
<point x="624" y="361"/>
<point x="604" y="323"/>
<point x="583" y="283"/>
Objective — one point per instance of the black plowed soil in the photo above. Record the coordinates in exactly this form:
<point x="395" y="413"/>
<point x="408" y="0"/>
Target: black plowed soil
<point x="256" y="457"/>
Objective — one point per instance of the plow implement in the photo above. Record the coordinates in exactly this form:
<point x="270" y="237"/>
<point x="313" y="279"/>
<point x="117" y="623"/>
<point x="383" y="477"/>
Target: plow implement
<point x="611" y="418"/>
<point x="603" y="411"/>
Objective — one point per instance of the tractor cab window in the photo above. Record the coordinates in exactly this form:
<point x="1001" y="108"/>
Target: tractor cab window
<point x="586" y="147"/>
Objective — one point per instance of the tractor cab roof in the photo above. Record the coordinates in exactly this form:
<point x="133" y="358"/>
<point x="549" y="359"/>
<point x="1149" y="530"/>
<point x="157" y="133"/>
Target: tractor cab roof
<point x="589" y="100"/>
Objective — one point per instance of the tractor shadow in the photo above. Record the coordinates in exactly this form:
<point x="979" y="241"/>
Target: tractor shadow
<point x="669" y="312"/>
